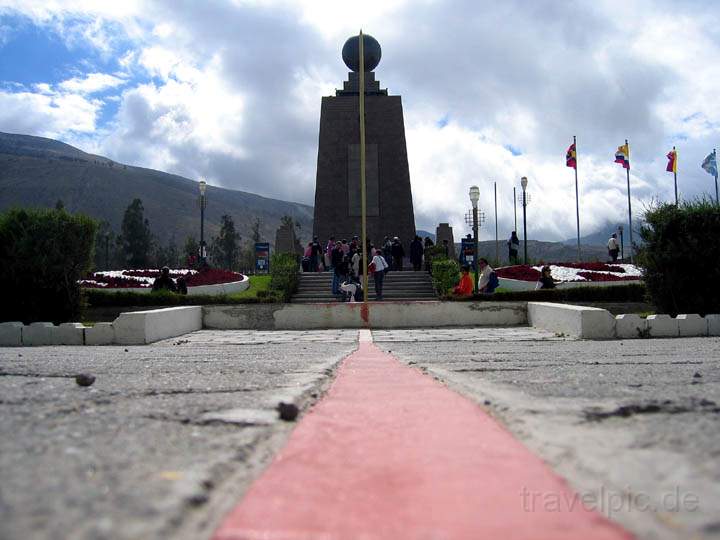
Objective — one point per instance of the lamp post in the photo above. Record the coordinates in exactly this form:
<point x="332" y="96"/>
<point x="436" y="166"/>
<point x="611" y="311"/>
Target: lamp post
<point x="203" y="204"/>
<point x="523" y="183"/>
<point x="622" y="248"/>
<point x="107" y="251"/>
<point x="474" y="198"/>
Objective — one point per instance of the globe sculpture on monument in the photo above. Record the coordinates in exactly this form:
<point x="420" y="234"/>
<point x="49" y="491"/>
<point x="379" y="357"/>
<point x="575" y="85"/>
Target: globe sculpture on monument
<point x="337" y="188"/>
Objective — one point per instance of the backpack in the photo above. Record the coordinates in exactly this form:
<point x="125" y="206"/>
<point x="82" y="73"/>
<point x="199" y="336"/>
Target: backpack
<point x="493" y="282"/>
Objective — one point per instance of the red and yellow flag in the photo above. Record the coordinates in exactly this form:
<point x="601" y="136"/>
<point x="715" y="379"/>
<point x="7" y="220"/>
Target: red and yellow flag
<point x="571" y="157"/>
<point x="672" y="161"/>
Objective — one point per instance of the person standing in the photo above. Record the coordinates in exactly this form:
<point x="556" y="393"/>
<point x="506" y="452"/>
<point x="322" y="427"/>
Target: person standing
<point x="416" y="253"/>
<point x="613" y="247"/>
<point x="378" y="266"/>
<point x="513" y="248"/>
<point x="398" y="252"/>
<point x="327" y="255"/>
<point x="336" y="258"/>
<point x="315" y="254"/>
<point x="387" y="249"/>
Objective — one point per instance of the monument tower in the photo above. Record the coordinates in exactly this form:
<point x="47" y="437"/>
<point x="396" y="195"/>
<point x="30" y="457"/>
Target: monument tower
<point x="337" y="187"/>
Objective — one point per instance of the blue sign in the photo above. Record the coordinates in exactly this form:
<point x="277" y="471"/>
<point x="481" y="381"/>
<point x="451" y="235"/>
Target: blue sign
<point x="467" y="252"/>
<point x="262" y="257"/>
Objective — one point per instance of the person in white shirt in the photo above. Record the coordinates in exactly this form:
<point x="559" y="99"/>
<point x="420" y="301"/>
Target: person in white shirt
<point x="380" y="265"/>
<point x="484" y="277"/>
<point x="613" y="247"/>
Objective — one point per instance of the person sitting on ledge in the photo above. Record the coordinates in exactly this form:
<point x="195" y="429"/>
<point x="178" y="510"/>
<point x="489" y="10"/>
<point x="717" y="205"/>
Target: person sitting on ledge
<point x="488" y="280"/>
<point x="465" y="287"/>
<point x="546" y="281"/>
<point x="164" y="282"/>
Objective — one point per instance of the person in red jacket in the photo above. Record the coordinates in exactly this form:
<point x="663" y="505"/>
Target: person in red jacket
<point x="465" y="287"/>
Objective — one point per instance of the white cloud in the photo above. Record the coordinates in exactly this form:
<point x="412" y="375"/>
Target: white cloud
<point x="91" y="83"/>
<point x="236" y="94"/>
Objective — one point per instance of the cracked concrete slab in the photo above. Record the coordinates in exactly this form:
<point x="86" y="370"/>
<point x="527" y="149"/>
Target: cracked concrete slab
<point x="157" y="447"/>
<point x="633" y="425"/>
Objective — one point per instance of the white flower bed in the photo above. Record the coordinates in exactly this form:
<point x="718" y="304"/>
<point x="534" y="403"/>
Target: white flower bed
<point x="563" y="274"/>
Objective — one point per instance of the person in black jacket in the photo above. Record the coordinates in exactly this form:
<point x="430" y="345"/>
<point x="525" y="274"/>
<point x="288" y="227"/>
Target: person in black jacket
<point x="416" y="253"/>
<point x="398" y="253"/>
<point x="164" y="281"/>
<point x="337" y="256"/>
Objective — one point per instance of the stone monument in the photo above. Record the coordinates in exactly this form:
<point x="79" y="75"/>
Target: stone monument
<point x="337" y="188"/>
<point x="286" y="241"/>
<point x="445" y="232"/>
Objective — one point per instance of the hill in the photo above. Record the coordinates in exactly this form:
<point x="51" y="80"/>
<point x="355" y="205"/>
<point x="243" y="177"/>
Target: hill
<point x="37" y="172"/>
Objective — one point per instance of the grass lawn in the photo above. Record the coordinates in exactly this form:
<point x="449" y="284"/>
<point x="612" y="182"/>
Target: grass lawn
<point x="257" y="283"/>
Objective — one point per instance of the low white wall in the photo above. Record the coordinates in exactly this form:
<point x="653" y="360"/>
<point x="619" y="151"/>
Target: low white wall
<point x="220" y="288"/>
<point x="594" y="323"/>
<point x="11" y="334"/>
<point x="350" y="315"/>
<point x="141" y="327"/>
<point x="574" y="321"/>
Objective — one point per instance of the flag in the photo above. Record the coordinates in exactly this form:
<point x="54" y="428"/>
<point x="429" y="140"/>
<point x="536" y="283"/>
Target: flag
<point x="672" y="161"/>
<point x="710" y="164"/>
<point x="571" y="157"/>
<point x="622" y="156"/>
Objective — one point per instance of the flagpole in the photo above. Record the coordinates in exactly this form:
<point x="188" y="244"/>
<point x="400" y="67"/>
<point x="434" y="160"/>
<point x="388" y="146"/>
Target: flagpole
<point x="515" y="208"/>
<point x="675" y="174"/>
<point x="717" y="199"/>
<point x="629" y="204"/>
<point x="363" y="202"/>
<point x="577" y="200"/>
<point x="497" y="243"/>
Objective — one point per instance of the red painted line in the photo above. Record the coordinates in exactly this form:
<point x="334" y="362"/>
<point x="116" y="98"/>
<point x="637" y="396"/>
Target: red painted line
<point x="390" y="453"/>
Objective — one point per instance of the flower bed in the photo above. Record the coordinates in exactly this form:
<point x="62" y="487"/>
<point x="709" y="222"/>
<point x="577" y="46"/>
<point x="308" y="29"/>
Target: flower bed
<point x="143" y="279"/>
<point x="573" y="272"/>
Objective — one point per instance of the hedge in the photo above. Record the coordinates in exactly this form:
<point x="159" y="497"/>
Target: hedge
<point x="284" y="268"/>
<point x="44" y="253"/>
<point x="681" y="255"/>
<point x="445" y="275"/>
<point x="635" y="292"/>
<point x="101" y="298"/>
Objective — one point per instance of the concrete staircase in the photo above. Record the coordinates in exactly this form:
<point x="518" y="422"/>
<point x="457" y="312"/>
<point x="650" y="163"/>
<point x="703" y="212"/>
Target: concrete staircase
<point x="405" y="285"/>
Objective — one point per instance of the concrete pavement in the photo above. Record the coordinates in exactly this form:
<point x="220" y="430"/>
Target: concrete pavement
<point x="170" y="435"/>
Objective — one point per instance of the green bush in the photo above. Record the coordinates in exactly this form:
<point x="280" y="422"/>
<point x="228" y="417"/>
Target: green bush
<point x="680" y="256"/>
<point x="445" y="275"/>
<point x="44" y="253"/>
<point x="284" y="275"/>
<point x="634" y="292"/>
<point x="100" y="298"/>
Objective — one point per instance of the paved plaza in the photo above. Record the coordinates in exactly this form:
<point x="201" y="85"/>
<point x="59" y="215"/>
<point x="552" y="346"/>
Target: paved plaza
<point x="170" y="436"/>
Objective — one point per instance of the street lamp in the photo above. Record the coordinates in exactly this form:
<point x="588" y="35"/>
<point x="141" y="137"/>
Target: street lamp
<point x="203" y="204"/>
<point x="474" y="198"/>
<point x="523" y="183"/>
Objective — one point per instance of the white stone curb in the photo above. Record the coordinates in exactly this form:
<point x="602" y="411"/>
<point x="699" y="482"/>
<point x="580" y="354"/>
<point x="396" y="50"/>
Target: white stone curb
<point x="133" y="328"/>
<point x="11" y="334"/>
<point x="629" y="326"/>
<point x="594" y="323"/>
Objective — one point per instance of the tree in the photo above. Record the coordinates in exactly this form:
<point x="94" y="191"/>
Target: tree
<point x="59" y="205"/>
<point x="136" y="236"/>
<point x="255" y="235"/>
<point x="191" y="249"/>
<point x="106" y="252"/>
<point x="168" y="255"/>
<point x="224" y="249"/>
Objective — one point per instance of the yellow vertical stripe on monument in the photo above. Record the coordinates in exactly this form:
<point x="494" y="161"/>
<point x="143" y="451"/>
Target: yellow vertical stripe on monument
<point x="363" y="202"/>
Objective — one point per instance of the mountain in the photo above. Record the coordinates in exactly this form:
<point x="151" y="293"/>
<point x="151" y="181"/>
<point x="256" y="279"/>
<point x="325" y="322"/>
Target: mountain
<point x="543" y="251"/>
<point x="37" y="172"/>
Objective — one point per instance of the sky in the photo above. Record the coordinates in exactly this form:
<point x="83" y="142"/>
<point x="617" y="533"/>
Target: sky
<point x="492" y="91"/>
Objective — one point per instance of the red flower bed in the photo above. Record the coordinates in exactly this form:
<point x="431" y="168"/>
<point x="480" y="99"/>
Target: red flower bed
<point x="524" y="272"/>
<point x="212" y="276"/>
<point x="593" y="276"/>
